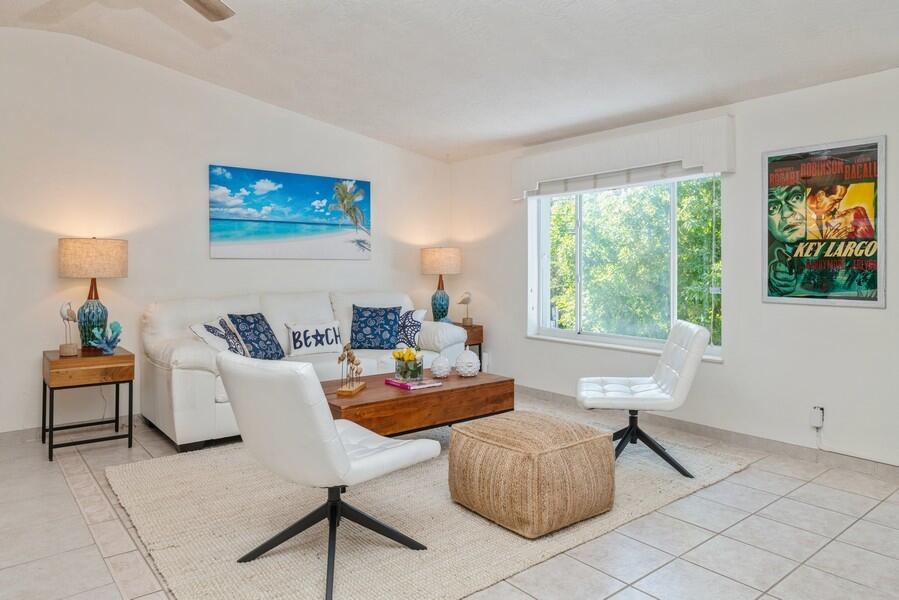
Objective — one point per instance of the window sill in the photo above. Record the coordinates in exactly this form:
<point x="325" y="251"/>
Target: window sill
<point x="624" y="347"/>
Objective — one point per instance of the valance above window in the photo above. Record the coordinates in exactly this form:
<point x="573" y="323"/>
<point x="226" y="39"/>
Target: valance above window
<point x="614" y="179"/>
<point x="591" y="162"/>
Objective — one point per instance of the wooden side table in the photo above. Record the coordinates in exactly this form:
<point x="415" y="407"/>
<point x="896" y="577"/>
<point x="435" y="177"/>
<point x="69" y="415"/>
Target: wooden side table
<point x="85" y="370"/>
<point x="475" y="338"/>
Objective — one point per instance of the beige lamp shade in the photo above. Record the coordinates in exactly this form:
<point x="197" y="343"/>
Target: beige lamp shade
<point x="88" y="258"/>
<point x="441" y="261"/>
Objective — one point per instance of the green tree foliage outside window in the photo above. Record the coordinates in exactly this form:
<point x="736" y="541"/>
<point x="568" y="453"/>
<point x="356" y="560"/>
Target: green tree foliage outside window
<point x="563" y="262"/>
<point x="626" y="242"/>
<point x="625" y="254"/>
<point x="699" y="253"/>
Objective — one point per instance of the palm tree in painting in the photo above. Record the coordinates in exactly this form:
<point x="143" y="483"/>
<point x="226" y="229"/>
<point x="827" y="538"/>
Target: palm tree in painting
<point x="346" y="197"/>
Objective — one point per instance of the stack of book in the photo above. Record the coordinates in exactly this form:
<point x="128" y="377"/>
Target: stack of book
<point x="413" y="385"/>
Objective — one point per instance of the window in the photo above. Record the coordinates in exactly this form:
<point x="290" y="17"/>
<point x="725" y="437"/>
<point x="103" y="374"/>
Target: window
<point x="629" y="260"/>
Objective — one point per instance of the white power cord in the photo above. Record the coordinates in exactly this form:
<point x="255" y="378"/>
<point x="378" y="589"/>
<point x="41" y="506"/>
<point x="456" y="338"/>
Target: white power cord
<point x="819" y="439"/>
<point x="105" y="402"/>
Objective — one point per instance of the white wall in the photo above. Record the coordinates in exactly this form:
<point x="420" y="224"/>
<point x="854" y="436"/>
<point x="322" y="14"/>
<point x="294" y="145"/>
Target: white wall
<point x="778" y="360"/>
<point x="94" y="142"/>
<point x="98" y="143"/>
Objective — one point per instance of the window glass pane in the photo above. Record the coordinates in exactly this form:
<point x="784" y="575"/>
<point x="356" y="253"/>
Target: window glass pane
<point x="562" y="263"/>
<point x="626" y="261"/>
<point x="699" y="253"/>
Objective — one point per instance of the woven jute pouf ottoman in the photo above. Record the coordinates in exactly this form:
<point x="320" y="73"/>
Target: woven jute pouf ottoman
<point x="531" y="473"/>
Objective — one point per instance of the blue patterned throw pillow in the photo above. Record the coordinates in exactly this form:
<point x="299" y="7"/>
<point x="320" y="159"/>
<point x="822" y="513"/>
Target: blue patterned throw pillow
<point x="375" y="328"/>
<point x="410" y="327"/>
<point x="257" y="336"/>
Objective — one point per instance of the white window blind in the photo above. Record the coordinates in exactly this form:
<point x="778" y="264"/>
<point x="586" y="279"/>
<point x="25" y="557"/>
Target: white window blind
<point x="670" y="170"/>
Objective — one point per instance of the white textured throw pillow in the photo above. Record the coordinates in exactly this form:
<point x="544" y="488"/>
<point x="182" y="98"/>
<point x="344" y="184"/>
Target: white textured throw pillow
<point x="220" y="335"/>
<point x="313" y="339"/>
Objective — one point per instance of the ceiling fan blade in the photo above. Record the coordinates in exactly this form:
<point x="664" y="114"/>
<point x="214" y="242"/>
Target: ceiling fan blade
<point x="213" y="10"/>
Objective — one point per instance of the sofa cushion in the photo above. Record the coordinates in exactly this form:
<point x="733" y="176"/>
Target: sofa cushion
<point x="374" y="362"/>
<point x="257" y="336"/>
<point x="343" y="305"/>
<point x="384" y="362"/>
<point x="314" y="338"/>
<point x="304" y="307"/>
<point x="326" y="366"/>
<point x="375" y="327"/>
<point x="172" y="318"/>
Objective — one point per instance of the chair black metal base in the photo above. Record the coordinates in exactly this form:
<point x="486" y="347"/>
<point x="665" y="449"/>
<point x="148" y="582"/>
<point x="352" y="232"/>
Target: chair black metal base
<point x="632" y="433"/>
<point x="332" y="510"/>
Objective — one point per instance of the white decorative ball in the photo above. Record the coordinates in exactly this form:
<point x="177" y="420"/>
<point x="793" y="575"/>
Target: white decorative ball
<point x="441" y="368"/>
<point x="468" y="364"/>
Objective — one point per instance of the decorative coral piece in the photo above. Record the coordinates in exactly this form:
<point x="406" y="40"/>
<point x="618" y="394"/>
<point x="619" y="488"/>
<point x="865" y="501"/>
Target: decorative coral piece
<point x="106" y="341"/>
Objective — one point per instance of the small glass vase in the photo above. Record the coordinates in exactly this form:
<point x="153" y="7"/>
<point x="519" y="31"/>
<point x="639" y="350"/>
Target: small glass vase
<point x="409" y="370"/>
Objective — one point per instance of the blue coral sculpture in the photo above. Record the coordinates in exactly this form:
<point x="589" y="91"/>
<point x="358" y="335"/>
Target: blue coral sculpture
<point x="107" y="341"/>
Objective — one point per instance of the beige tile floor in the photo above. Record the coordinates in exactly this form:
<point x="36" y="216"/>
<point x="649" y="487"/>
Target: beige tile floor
<point x="783" y="528"/>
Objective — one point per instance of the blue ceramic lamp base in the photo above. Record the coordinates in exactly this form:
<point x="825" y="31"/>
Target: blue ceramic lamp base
<point x="91" y="314"/>
<point x="440" y="302"/>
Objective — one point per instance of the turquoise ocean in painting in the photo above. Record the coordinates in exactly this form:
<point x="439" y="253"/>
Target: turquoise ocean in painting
<point x="234" y="230"/>
<point x="272" y="214"/>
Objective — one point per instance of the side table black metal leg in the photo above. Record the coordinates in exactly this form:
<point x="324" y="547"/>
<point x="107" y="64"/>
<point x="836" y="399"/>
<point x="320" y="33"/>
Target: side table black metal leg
<point x="50" y="429"/>
<point x="130" y="412"/>
<point x="43" y="412"/>
<point x="117" y="407"/>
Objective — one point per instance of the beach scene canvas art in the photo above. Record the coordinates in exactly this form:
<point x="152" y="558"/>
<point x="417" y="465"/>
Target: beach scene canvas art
<point x="269" y="214"/>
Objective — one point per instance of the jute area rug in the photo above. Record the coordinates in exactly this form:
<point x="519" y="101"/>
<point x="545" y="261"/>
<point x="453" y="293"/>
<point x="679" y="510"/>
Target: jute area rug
<point x="198" y="512"/>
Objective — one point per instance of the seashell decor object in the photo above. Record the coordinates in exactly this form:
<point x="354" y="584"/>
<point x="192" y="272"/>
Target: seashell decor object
<point x="441" y="368"/>
<point x="468" y="364"/>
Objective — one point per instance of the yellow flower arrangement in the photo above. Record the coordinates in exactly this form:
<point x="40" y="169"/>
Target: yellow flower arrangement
<point x="405" y="354"/>
<point x="408" y="364"/>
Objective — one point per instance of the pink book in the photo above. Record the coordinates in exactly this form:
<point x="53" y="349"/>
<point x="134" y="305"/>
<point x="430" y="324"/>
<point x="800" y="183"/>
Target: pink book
<point x="413" y="385"/>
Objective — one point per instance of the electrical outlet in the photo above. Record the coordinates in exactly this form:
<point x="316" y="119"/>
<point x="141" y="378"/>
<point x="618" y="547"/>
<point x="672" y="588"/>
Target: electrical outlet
<point x="816" y="417"/>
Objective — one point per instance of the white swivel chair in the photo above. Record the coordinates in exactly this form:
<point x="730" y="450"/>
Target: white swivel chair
<point x="666" y="389"/>
<point x="286" y="424"/>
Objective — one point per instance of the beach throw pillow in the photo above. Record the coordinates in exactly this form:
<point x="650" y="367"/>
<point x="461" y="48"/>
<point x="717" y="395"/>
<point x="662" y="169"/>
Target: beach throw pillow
<point x="257" y="336"/>
<point x="219" y="335"/>
<point x="410" y="327"/>
<point x="314" y="339"/>
<point x="374" y="328"/>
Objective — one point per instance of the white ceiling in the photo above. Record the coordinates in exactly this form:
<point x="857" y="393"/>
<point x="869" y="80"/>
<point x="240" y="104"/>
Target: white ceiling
<point x="460" y="78"/>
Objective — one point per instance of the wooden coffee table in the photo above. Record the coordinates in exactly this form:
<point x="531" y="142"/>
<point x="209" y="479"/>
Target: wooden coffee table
<point x="390" y="410"/>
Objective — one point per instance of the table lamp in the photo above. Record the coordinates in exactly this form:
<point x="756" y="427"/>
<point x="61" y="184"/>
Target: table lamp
<point x="92" y="258"/>
<point x="440" y="261"/>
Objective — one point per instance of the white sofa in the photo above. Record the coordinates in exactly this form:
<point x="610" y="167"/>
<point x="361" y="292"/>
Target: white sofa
<point x="181" y="391"/>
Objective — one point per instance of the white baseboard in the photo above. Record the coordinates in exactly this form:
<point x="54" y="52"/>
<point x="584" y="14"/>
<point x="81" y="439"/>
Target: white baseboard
<point x="831" y="459"/>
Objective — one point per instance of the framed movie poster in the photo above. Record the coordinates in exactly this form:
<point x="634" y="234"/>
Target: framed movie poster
<point x="824" y="236"/>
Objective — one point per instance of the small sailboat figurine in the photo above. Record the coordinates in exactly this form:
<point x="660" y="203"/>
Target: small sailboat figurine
<point x="68" y="317"/>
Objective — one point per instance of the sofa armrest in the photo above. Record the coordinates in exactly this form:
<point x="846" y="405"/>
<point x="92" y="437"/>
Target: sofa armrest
<point x="437" y="335"/>
<point x="181" y="353"/>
